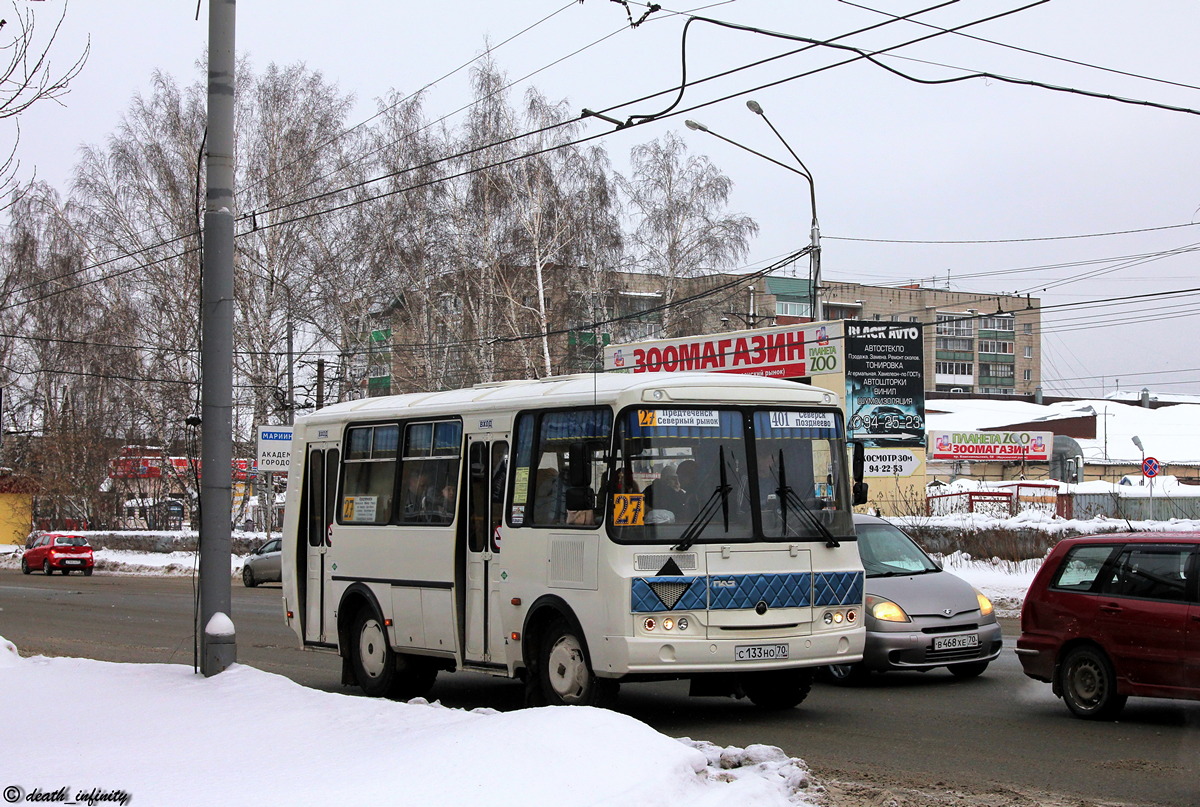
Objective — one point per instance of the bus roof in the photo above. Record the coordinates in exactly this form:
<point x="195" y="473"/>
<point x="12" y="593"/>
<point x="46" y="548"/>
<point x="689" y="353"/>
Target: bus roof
<point x="579" y="390"/>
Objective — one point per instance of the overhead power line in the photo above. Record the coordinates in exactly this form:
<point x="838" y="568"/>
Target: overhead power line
<point x="1010" y="240"/>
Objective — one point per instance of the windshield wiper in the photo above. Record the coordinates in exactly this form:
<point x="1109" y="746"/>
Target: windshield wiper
<point x="692" y="532"/>
<point x="787" y="496"/>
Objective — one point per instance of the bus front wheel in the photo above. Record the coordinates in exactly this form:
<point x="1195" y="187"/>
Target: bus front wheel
<point x="565" y="674"/>
<point x="777" y="689"/>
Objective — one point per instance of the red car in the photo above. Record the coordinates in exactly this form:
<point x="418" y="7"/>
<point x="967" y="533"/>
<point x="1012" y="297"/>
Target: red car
<point x="1112" y="616"/>
<point x="56" y="550"/>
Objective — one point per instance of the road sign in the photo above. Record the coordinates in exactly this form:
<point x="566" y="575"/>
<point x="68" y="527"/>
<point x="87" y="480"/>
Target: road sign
<point x="1150" y="467"/>
<point x="274" y="448"/>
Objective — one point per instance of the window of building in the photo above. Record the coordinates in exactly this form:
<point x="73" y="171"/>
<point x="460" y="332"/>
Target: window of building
<point x="997" y="390"/>
<point x="953" y="343"/>
<point x="995" y="346"/>
<point x="1001" y="323"/>
<point x="1027" y="375"/>
<point x="1029" y="351"/>
<point x="953" y="368"/>
<point x="787" y="308"/>
<point x="834" y="311"/>
<point x="955" y="325"/>
<point x="1028" y="327"/>
<point x="996" y="370"/>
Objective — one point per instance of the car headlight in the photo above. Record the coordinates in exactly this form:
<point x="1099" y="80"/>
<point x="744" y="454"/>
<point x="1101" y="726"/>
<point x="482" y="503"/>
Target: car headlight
<point x="985" y="605"/>
<point x="886" y="610"/>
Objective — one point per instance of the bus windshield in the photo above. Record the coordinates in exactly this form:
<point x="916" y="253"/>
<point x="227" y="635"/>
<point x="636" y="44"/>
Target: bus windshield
<point x="688" y="475"/>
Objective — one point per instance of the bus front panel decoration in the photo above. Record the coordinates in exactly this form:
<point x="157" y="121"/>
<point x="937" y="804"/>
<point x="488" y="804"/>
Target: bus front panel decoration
<point x="579" y="533"/>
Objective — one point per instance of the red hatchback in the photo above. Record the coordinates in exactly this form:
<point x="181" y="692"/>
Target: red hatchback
<point x="58" y="551"/>
<point x="1111" y="616"/>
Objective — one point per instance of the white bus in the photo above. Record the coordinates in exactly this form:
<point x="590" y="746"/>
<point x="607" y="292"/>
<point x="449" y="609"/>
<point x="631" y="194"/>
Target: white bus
<point x="578" y="532"/>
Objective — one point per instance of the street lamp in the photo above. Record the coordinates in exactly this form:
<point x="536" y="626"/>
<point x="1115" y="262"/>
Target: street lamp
<point x="1137" y="441"/>
<point x="814" y="256"/>
<point x="814" y="251"/>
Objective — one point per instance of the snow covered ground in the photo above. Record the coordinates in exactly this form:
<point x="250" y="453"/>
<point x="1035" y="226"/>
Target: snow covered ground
<point x="161" y="735"/>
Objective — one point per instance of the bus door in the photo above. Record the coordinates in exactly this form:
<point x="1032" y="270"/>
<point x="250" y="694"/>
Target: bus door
<point x="488" y="463"/>
<point x="321" y="476"/>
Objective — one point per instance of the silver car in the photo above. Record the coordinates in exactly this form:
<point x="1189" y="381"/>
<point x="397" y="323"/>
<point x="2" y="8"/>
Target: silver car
<point x="919" y="616"/>
<point x="263" y="565"/>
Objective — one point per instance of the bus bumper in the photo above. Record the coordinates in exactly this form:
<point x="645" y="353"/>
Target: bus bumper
<point x="625" y="655"/>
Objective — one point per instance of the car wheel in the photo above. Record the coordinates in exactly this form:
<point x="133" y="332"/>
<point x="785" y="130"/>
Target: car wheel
<point x="777" y="689"/>
<point x="25" y="567"/>
<point x="565" y="675"/>
<point x="971" y="670"/>
<point x="248" y="577"/>
<point x="87" y="572"/>
<point x="46" y="568"/>
<point x="846" y="675"/>
<point x="1089" y="685"/>
<point x="371" y="656"/>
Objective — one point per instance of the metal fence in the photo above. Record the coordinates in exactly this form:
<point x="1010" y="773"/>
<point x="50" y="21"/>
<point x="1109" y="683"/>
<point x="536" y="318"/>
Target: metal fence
<point x="1159" y="508"/>
<point x="1047" y="498"/>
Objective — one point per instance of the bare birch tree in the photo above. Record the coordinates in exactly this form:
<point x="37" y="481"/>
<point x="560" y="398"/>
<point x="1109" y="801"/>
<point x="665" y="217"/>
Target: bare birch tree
<point x="683" y="229"/>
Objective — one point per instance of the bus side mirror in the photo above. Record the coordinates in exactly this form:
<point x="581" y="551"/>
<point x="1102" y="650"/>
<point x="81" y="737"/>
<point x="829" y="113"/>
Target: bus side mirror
<point x="858" y="491"/>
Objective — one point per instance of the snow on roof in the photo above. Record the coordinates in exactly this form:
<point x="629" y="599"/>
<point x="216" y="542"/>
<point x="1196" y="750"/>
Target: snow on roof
<point x="1169" y="433"/>
<point x="1136" y="395"/>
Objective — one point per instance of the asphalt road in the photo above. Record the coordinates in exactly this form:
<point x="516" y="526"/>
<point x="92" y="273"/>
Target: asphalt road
<point x="1001" y="730"/>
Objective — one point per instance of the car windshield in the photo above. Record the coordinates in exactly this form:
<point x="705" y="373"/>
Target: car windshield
<point x="888" y="552"/>
<point x="688" y="475"/>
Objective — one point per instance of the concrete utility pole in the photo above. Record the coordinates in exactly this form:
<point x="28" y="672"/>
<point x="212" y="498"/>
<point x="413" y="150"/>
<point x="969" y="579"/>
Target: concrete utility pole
<point x="218" y="643"/>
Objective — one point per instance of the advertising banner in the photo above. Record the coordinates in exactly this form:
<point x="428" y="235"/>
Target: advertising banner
<point x="894" y="462"/>
<point x="995" y="446"/>
<point x="885" y="383"/>
<point x="791" y="351"/>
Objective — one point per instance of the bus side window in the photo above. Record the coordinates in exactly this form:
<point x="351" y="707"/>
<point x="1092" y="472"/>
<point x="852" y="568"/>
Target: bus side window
<point x="429" y="472"/>
<point x="543" y="495"/>
<point x="369" y="472"/>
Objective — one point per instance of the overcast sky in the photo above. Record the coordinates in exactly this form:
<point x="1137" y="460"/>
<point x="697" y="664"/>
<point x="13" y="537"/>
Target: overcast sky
<point x="980" y="160"/>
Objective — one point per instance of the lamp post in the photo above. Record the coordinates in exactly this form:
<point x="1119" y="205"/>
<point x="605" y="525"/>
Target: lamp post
<point x="814" y="251"/>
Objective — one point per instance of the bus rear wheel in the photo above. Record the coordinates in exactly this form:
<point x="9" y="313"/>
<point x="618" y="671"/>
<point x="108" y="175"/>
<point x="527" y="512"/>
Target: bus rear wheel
<point x="565" y="673"/>
<point x="777" y="689"/>
<point x="372" y="656"/>
<point x="382" y="672"/>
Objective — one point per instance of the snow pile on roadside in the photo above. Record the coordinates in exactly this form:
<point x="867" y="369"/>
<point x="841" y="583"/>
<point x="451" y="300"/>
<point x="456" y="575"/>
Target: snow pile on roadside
<point x="323" y="748"/>
<point x="1045" y="522"/>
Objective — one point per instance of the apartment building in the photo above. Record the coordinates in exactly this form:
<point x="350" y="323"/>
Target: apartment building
<point x="974" y="343"/>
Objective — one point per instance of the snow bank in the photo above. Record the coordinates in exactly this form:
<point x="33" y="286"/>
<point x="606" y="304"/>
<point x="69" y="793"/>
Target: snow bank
<point x="308" y="747"/>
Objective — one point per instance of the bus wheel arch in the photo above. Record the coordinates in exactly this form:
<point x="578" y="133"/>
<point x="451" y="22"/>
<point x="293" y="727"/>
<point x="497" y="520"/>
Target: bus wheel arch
<point x="558" y="661"/>
<point x="359" y="613"/>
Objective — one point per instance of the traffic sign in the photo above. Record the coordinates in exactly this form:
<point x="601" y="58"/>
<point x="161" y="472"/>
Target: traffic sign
<point x="1150" y="467"/>
<point x="274" y="448"/>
